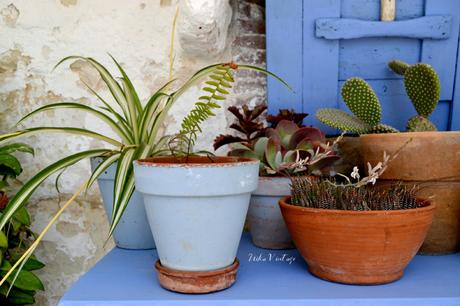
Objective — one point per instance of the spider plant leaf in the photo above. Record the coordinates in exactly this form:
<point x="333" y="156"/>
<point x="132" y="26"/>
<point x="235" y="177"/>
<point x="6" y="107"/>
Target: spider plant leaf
<point x="264" y="71"/>
<point x="29" y="187"/>
<point x="124" y="168"/>
<point x="102" y="167"/>
<point x="68" y="130"/>
<point x="108" y="79"/>
<point x="121" y="123"/>
<point x="129" y="85"/>
<point x="132" y="110"/>
<point x="158" y="120"/>
<point x="88" y="109"/>
<point x="124" y="181"/>
<point x="16" y="147"/>
<point x="151" y="108"/>
<point x="107" y="107"/>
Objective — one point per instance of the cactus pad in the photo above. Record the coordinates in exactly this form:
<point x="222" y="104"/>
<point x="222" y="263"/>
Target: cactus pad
<point x="398" y="67"/>
<point x="423" y="88"/>
<point x="420" y="124"/>
<point x="382" y="128"/>
<point x="343" y="121"/>
<point x="362" y="101"/>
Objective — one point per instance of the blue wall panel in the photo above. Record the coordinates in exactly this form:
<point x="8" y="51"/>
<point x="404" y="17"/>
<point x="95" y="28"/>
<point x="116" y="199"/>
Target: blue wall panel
<point x="316" y="62"/>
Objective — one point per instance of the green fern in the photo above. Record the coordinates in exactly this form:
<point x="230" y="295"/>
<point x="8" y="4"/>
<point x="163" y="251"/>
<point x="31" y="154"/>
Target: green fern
<point x="220" y="81"/>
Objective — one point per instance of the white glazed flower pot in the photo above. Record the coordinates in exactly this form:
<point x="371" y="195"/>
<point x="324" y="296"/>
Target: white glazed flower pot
<point x="133" y="230"/>
<point x="196" y="210"/>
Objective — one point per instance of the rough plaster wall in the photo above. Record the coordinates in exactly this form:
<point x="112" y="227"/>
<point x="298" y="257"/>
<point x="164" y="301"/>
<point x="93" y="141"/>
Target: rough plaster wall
<point x="34" y="35"/>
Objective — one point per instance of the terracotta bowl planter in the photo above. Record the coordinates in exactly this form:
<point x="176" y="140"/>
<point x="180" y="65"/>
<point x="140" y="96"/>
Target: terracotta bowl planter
<point x="356" y="247"/>
<point x="431" y="160"/>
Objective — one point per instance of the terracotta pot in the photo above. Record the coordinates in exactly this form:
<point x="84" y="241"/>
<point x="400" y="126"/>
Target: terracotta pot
<point x="357" y="247"/>
<point x="431" y="160"/>
<point x="266" y="224"/>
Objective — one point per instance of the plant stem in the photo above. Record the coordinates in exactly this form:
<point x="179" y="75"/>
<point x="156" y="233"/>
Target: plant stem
<point x="171" y="49"/>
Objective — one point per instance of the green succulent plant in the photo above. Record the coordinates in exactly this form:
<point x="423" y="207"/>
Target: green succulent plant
<point x="362" y="101"/>
<point x="423" y="88"/>
<point x="284" y="145"/>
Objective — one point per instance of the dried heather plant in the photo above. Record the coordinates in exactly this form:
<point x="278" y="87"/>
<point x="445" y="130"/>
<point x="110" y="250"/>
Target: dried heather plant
<point x="355" y="193"/>
<point x="327" y="194"/>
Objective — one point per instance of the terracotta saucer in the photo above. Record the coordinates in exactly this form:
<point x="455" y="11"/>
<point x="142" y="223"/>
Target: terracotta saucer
<point x="197" y="282"/>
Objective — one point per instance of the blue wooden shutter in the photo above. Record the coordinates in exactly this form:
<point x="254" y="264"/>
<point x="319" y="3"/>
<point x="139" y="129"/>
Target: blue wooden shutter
<point x="316" y="45"/>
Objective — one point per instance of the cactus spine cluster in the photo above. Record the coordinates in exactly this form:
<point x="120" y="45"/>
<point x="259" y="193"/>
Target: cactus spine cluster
<point x="422" y="86"/>
<point x="362" y="101"/>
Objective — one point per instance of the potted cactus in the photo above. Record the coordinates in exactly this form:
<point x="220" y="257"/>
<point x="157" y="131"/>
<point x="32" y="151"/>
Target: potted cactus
<point x="439" y="179"/>
<point x="276" y="148"/>
<point x="371" y="233"/>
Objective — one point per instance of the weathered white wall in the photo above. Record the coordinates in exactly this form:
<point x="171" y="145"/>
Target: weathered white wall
<point x="34" y="35"/>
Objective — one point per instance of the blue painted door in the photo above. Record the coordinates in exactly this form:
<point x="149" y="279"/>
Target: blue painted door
<point x="317" y="44"/>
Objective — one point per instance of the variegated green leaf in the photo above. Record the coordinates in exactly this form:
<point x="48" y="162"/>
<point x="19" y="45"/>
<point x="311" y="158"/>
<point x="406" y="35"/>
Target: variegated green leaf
<point x="108" y="79"/>
<point x="102" y="167"/>
<point x="72" y="105"/>
<point x="264" y="71"/>
<point x="68" y="130"/>
<point x="124" y="167"/>
<point x="124" y="180"/>
<point x="132" y="110"/>
<point x="29" y="187"/>
<point x="129" y="85"/>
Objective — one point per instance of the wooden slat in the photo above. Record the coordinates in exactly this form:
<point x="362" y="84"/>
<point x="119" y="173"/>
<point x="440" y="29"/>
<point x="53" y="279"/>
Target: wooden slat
<point x="429" y="27"/>
<point x="370" y="9"/>
<point x="321" y="61"/>
<point x="368" y="57"/>
<point x="454" y="122"/>
<point x="442" y="54"/>
<point x="387" y="10"/>
<point x="284" y="53"/>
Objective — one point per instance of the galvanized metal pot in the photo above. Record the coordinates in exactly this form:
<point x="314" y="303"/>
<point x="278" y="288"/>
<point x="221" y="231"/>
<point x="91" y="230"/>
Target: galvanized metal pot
<point x="196" y="207"/>
<point x="133" y="230"/>
<point x="266" y="224"/>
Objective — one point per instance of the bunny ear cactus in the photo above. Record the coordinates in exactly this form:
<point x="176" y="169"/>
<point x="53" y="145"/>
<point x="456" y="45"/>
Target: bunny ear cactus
<point x="423" y="88"/>
<point x="365" y="106"/>
<point x="362" y="101"/>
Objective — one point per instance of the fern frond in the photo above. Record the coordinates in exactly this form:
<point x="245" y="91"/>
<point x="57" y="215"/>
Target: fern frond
<point x="215" y="90"/>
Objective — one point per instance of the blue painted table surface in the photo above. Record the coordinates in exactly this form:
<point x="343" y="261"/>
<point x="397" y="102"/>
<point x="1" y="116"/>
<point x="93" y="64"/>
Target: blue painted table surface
<point x="266" y="278"/>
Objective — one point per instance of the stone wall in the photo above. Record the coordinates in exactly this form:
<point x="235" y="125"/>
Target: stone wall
<point x="35" y="35"/>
